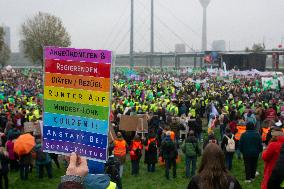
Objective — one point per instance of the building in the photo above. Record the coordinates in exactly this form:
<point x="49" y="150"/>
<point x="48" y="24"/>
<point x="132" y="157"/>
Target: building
<point x="21" y="46"/>
<point x="180" y="48"/>
<point x="219" y="45"/>
<point x="7" y="36"/>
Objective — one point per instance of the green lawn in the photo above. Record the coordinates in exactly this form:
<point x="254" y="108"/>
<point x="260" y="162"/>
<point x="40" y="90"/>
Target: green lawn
<point x="144" y="181"/>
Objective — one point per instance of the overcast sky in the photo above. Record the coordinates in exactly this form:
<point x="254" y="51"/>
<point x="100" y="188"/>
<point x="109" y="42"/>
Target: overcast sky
<point x="104" y="24"/>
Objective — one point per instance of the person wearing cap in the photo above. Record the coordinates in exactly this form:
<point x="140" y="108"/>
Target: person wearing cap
<point x="270" y="157"/>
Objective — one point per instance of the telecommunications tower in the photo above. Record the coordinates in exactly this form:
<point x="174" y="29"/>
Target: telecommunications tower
<point x="204" y="4"/>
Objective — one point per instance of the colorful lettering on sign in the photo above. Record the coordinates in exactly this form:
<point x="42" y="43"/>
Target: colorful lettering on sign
<point x="76" y="122"/>
<point x="77" y="89"/>
<point x="97" y="98"/>
<point x="67" y="148"/>
<point x="87" y="55"/>
<point x="70" y="108"/>
<point x="78" y="68"/>
<point x="77" y="82"/>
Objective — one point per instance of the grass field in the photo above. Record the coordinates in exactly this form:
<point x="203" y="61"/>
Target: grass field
<point x="145" y="180"/>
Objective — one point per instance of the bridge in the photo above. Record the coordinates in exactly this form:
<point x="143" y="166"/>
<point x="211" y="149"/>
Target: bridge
<point x="190" y="59"/>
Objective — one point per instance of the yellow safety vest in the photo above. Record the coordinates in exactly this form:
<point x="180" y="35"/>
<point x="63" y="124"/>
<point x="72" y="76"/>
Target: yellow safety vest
<point x="111" y="185"/>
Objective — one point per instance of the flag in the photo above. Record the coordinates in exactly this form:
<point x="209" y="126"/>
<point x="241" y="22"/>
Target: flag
<point x="214" y="111"/>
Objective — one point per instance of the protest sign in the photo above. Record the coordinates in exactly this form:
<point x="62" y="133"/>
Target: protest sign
<point x="77" y="89"/>
<point x="32" y="127"/>
<point x="28" y="127"/>
<point x="133" y="123"/>
<point x="128" y="123"/>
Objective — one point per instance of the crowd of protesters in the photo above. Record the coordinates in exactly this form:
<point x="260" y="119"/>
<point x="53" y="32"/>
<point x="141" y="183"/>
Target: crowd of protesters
<point x="183" y="111"/>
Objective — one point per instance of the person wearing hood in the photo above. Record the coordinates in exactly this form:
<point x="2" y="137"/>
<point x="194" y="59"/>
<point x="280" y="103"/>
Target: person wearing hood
<point x="271" y="156"/>
<point x="169" y="154"/>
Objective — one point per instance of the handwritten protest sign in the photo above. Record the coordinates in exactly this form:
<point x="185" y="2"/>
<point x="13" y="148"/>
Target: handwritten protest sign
<point x="77" y="89"/>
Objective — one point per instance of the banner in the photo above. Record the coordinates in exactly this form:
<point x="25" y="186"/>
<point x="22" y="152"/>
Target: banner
<point x="269" y="83"/>
<point x="77" y="92"/>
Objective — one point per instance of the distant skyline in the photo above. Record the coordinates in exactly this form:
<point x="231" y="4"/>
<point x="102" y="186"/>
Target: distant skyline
<point x="104" y="24"/>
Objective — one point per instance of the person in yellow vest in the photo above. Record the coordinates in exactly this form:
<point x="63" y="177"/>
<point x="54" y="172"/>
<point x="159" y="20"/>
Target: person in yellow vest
<point x="119" y="151"/>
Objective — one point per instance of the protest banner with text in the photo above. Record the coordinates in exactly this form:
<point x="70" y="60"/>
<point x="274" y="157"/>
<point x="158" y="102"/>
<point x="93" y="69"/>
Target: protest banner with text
<point x="77" y="92"/>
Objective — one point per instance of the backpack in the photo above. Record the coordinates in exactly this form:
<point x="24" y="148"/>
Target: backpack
<point x="152" y="146"/>
<point x="231" y="146"/>
<point x="190" y="149"/>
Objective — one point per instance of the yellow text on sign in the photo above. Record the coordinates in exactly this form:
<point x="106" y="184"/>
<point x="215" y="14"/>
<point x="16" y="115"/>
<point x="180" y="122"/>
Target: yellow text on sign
<point x="77" y="96"/>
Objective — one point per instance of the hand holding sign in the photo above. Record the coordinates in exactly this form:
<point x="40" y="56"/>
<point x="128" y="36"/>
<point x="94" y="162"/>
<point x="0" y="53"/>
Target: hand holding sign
<point x="77" y="166"/>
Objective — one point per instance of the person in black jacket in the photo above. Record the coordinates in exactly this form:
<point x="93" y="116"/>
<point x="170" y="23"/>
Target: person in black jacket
<point x="212" y="173"/>
<point x="251" y="147"/>
<point x="228" y="155"/>
<point x="169" y="154"/>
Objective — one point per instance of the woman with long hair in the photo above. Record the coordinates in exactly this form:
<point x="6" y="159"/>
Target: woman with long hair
<point x="212" y="173"/>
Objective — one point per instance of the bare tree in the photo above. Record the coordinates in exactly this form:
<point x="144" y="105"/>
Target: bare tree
<point x="43" y="30"/>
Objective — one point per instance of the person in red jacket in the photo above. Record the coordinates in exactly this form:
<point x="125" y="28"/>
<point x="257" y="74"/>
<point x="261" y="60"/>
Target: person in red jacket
<point x="270" y="156"/>
<point x="270" y="113"/>
<point x="135" y="154"/>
